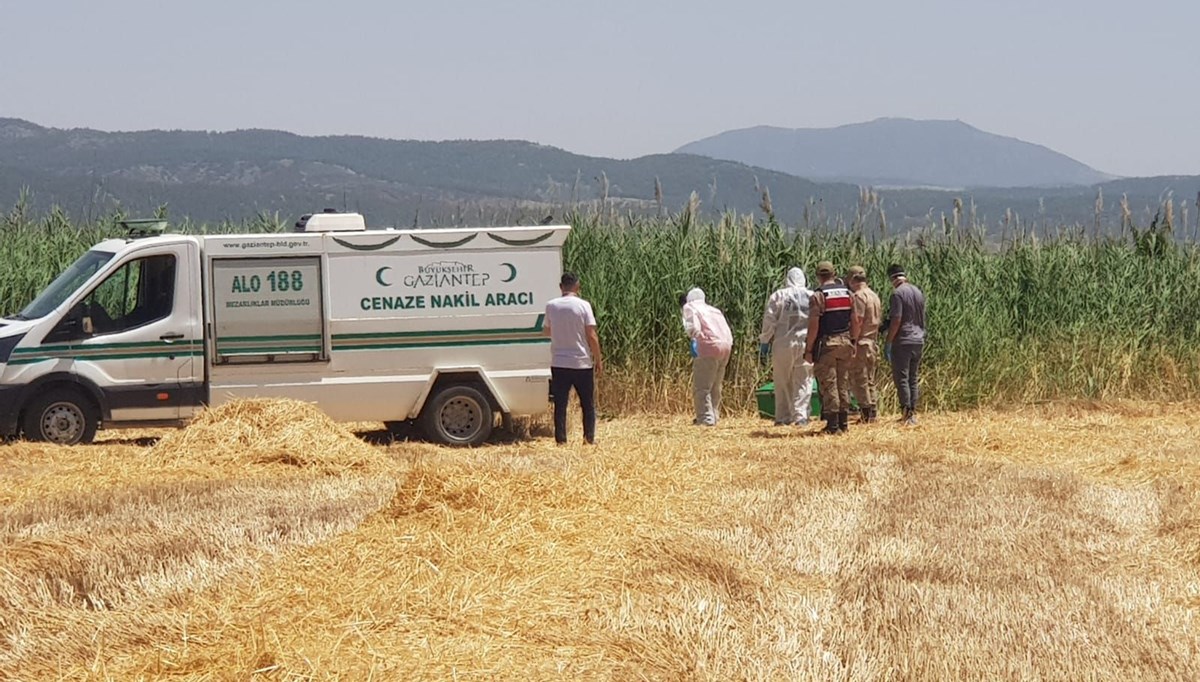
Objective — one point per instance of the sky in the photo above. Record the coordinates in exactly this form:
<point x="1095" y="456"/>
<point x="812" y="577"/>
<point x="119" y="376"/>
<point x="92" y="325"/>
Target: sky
<point x="1112" y="84"/>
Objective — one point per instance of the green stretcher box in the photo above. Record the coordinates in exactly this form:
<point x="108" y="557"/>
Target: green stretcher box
<point x="766" y="400"/>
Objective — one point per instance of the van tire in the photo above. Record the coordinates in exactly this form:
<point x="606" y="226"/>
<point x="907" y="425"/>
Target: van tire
<point x="458" y="414"/>
<point x="62" y="416"/>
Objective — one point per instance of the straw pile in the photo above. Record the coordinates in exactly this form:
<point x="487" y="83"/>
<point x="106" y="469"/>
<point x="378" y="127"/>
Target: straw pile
<point x="268" y="431"/>
<point x="1056" y="544"/>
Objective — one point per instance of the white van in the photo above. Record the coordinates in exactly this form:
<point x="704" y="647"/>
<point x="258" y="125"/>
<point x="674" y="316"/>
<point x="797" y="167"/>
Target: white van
<point x="442" y="326"/>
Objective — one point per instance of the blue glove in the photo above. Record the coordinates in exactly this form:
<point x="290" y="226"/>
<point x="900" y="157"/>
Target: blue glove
<point x="764" y="349"/>
<point x="887" y="351"/>
<point x="695" y="350"/>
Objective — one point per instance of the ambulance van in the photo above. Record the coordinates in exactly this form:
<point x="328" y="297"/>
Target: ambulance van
<point x="443" y="327"/>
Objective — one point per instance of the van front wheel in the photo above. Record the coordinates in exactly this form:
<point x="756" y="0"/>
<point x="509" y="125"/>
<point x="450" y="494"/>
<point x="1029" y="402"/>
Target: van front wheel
<point x="458" y="415"/>
<point x="61" y="416"/>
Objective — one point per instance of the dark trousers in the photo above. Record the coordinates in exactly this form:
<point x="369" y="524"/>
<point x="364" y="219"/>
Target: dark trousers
<point x="906" y="363"/>
<point x="562" y="380"/>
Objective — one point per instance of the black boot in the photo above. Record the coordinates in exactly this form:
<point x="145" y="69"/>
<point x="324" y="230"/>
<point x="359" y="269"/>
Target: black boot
<point x="831" y="422"/>
<point x="843" y="422"/>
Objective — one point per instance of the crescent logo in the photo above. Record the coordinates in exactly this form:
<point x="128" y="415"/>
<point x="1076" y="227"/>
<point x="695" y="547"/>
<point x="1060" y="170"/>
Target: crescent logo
<point x="512" y="272"/>
<point x="379" y="276"/>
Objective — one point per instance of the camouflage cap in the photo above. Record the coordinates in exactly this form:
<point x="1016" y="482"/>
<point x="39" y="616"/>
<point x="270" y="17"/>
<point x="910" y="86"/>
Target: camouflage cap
<point x="825" y="268"/>
<point x="856" y="272"/>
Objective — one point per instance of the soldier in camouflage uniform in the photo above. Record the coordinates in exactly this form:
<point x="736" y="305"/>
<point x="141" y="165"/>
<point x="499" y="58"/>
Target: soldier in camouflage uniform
<point x="829" y="347"/>
<point x="867" y="313"/>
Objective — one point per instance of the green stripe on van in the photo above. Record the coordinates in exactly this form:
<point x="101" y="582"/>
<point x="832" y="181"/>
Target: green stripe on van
<point x="266" y="350"/>
<point x="535" y="329"/>
<point x="304" y="343"/>
<point x="280" y="337"/>
<point x="69" y="347"/>
<point x="285" y="343"/>
<point x="178" y="353"/>
<point x="441" y="344"/>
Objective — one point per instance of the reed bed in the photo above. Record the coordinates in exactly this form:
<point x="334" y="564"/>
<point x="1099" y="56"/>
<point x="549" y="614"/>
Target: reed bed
<point x="1016" y="314"/>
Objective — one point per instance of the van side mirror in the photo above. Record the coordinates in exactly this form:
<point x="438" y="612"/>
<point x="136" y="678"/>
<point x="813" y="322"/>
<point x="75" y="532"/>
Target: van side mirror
<point x="74" y="325"/>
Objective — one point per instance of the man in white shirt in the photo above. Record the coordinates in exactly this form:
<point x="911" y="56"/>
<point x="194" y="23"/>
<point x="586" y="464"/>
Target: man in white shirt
<point x="575" y="356"/>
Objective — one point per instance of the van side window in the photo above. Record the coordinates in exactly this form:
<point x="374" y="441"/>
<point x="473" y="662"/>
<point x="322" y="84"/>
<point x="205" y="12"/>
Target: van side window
<point x="141" y="292"/>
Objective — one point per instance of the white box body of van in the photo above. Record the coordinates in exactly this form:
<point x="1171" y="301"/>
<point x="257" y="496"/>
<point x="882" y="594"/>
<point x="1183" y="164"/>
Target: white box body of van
<point x="370" y="325"/>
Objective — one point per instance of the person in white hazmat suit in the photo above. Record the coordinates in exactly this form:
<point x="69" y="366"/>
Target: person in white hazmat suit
<point x="712" y="342"/>
<point x="784" y="335"/>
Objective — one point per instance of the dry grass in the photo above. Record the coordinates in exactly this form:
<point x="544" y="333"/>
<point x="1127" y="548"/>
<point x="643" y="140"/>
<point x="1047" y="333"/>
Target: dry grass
<point x="262" y="431"/>
<point x="1059" y="543"/>
<point x="78" y="569"/>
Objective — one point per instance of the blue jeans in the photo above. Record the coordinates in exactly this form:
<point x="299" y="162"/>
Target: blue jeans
<point x="906" y="363"/>
<point x="562" y="380"/>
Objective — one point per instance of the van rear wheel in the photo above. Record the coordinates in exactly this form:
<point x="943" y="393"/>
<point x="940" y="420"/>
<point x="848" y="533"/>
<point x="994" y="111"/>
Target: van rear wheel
<point x="458" y="415"/>
<point x="61" y="416"/>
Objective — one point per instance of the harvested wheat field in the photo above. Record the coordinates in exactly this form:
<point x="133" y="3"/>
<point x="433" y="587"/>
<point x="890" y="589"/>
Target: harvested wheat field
<point x="266" y="542"/>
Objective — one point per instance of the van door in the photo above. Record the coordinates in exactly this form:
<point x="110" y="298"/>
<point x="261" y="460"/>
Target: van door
<point x="137" y="335"/>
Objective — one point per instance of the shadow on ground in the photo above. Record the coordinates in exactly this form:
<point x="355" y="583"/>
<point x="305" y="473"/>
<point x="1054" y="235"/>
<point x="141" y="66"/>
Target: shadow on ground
<point x="405" y="432"/>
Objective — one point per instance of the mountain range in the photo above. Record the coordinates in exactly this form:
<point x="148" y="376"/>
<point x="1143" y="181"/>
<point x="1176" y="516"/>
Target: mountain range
<point x="213" y="176"/>
<point x="899" y="152"/>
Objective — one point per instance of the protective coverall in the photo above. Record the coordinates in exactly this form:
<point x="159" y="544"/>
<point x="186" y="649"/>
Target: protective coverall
<point x="706" y="326"/>
<point x="785" y="328"/>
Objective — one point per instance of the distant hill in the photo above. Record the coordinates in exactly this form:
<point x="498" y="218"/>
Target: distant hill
<point x="211" y="176"/>
<point x="243" y="174"/>
<point x="899" y="152"/>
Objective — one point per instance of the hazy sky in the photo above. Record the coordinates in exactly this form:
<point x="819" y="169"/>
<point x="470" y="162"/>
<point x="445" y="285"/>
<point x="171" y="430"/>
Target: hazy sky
<point x="1113" y="84"/>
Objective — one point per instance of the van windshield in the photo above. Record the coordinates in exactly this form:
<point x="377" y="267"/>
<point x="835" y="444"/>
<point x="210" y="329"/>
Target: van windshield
<point x="64" y="285"/>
